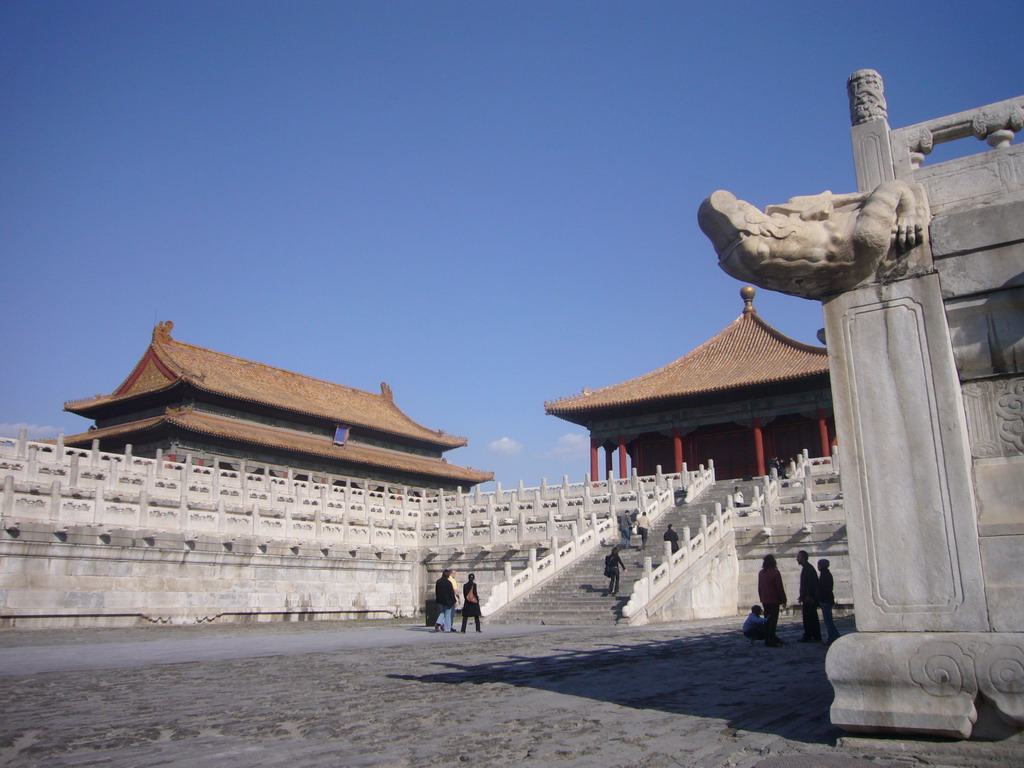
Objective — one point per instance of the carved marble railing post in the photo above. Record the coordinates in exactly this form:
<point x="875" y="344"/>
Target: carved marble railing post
<point x="8" y="505"/>
<point x="73" y="470"/>
<point x="98" y="506"/>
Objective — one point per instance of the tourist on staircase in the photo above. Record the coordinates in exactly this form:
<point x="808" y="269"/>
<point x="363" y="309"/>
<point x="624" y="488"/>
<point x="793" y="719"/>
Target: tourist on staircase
<point x="643" y="525"/>
<point x="672" y="538"/>
<point x="612" y="563"/>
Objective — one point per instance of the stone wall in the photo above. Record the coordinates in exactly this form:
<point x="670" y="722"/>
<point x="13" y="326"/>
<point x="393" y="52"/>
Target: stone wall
<point x="82" y="576"/>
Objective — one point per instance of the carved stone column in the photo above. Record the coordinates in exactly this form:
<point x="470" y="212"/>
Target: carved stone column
<point x="933" y="490"/>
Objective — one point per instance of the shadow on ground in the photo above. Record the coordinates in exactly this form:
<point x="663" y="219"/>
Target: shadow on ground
<point x="721" y="675"/>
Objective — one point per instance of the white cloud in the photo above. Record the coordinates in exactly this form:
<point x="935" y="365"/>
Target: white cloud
<point x="35" y="431"/>
<point x="506" y="446"/>
<point x="570" y="446"/>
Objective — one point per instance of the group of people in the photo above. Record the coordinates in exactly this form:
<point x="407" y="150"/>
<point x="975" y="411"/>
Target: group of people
<point x="816" y="589"/>
<point x="636" y="521"/>
<point x="613" y="561"/>
<point x="446" y="594"/>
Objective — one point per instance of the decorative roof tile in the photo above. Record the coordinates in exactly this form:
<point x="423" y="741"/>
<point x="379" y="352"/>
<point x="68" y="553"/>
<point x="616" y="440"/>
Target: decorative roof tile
<point x="168" y="362"/>
<point x="747" y="353"/>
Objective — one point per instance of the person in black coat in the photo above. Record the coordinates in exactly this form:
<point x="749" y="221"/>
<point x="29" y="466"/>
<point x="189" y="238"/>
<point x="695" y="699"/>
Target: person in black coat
<point x="612" y="563"/>
<point x="672" y="538"/>
<point x="470" y="603"/>
<point x="444" y="595"/>
<point x="808" y="599"/>
<point x="826" y="599"/>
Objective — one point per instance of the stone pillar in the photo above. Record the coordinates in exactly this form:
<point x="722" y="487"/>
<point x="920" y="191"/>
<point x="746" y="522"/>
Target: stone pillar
<point x="758" y="447"/>
<point x="823" y="433"/>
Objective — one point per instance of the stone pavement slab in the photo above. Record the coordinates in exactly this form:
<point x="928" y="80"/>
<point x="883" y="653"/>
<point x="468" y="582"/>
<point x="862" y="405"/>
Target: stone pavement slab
<point x="393" y="694"/>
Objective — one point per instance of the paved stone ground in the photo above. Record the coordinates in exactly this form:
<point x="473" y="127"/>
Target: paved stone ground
<point x="395" y="694"/>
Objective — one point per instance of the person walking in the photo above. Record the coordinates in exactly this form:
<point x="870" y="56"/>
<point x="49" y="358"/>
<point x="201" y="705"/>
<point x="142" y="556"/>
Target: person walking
<point x="444" y="595"/>
<point x="808" y="599"/>
<point x="773" y="598"/>
<point x="826" y="599"/>
<point x="612" y="563"/>
<point x="643" y="525"/>
<point x="458" y="598"/>
<point x="672" y="538"/>
<point x="625" y="531"/>
<point x="470" y="603"/>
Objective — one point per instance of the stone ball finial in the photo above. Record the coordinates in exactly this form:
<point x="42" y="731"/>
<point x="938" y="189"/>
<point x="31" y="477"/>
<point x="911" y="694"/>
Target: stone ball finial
<point x="867" y="97"/>
<point x="747" y="293"/>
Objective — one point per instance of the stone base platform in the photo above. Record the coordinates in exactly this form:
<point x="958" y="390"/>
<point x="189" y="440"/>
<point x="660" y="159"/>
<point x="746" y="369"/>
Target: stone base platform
<point x="953" y="684"/>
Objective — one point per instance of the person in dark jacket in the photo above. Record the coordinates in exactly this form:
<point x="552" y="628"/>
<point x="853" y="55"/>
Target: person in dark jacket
<point x="826" y="599"/>
<point x="773" y="597"/>
<point x="808" y="599"/>
<point x="612" y="563"/>
<point x="444" y="595"/>
<point x="672" y="538"/>
<point x="470" y="603"/>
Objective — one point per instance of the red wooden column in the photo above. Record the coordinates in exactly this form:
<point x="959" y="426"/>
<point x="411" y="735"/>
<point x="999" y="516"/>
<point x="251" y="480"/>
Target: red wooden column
<point x="677" y="449"/>
<point x="608" y="461"/>
<point x="623" y="458"/>
<point x="823" y="432"/>
<point x="593" y="461"/>
<point x="759" y="446"/>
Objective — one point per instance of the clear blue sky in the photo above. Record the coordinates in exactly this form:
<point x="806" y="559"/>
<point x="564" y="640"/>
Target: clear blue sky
<point x="485" y="204"/>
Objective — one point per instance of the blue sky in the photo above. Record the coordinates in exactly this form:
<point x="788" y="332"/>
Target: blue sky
<point x="485" y="204"/>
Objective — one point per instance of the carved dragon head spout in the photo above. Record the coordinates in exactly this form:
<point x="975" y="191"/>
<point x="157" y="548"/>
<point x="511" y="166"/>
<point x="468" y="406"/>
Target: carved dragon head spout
<point x="819" y="245"/>
<point x="735" y="228"/>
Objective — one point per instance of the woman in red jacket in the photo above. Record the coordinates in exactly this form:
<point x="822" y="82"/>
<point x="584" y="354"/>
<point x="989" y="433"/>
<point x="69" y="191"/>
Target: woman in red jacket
<point x="773" y="597"/>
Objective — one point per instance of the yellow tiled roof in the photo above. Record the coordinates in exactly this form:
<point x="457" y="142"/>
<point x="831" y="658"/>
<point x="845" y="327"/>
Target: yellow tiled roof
<point x="167" y="361"/>
<point x="747" y="353"/>
<point x="208" y="424"/>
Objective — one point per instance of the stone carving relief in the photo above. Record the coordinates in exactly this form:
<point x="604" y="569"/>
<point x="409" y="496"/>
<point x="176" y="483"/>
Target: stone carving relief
<point x="995" y="417"/>
<point x="867" y="97"/>
<point x="820" y="245"/>
<point x="995" y="670"/>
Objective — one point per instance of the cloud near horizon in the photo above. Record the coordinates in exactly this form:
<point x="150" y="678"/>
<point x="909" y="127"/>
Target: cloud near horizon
<point x="570" y="445"/>
<point x="505" y="446"/>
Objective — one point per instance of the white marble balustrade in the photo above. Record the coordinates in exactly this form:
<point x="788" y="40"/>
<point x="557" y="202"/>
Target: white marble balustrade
<point x="62" y="486"/>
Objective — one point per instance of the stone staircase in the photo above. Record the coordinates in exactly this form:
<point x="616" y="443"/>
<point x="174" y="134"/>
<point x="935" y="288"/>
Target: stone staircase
<point x="579" y="594"/>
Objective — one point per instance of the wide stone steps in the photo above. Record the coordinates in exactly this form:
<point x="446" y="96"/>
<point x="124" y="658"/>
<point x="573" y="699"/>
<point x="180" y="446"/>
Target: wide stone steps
<point x="579" y="595"/>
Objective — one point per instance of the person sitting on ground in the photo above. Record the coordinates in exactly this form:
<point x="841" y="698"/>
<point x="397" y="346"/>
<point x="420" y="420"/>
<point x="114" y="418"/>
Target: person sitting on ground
<point x="753" y="627"/>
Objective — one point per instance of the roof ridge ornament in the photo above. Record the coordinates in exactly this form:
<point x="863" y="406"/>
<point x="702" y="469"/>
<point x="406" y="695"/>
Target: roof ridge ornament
<point x="162" y="331"/>
<point x="747" y="293"/>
